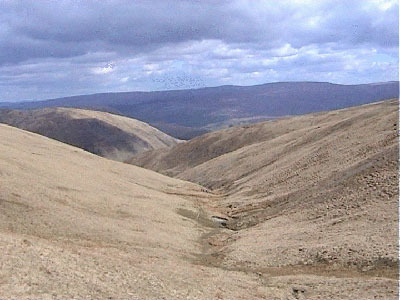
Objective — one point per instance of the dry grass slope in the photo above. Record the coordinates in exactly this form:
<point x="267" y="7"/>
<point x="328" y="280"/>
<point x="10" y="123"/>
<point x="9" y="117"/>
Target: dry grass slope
<point x="311" y="194"/>
<point x="310" y="202"/>
<point x="75" y="225"/>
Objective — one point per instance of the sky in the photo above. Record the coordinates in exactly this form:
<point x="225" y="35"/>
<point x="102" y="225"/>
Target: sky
<point x="51" y="49"/>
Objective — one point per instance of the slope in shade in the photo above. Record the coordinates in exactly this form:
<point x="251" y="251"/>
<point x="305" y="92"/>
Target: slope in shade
<point x="105" y="134"/>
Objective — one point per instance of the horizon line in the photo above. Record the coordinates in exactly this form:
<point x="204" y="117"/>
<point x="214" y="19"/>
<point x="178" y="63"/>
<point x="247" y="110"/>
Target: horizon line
<point x="194" y="88"/>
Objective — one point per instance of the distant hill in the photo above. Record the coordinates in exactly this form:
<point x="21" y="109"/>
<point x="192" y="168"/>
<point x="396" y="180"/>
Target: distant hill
<point x="105" y="134"/>
<point x="187" y="113"/>
<point x="179" y="131"/>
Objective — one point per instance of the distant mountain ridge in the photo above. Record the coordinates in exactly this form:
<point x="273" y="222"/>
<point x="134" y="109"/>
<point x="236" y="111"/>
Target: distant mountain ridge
<point x="215" y="107"/>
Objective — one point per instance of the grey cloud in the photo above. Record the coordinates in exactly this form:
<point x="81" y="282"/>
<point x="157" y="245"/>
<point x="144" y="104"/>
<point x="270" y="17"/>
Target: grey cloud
<point x="76" y="27"/>
<point x="66" y="45"/>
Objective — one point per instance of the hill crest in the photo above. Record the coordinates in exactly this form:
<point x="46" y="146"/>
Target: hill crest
<point x="108" y="135"/>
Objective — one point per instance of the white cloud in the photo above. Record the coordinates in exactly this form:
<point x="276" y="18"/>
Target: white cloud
<point x="384" y="4"/>
<point x="104" y="70"/>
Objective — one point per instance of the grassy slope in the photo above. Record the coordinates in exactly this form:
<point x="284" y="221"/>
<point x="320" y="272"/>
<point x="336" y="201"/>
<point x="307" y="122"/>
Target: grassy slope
<point x="315" y="193"/>
<point x="73" y="224"/>
<point x="312" y="213"/>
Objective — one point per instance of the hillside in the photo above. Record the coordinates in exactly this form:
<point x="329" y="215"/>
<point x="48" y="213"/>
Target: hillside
<point x="75" y="225"/>
<point x="105" y="134"/>
<point x="319" y="191"/>
<point x="221" y="148"/>
<point x="307" y="207"/>
<point x="179" y="131"/>
<point x="187" y="113"/>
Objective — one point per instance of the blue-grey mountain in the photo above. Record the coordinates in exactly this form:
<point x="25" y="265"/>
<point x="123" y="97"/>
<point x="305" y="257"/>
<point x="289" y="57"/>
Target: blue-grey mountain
<point x="188" y="113"/>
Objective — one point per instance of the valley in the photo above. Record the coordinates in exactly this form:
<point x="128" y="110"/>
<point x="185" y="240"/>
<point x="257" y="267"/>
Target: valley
<point x="303" y="207"/>
<point x="199" y="150"/>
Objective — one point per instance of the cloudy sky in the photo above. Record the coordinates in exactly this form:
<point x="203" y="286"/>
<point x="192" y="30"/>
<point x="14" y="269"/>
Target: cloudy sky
<point x="60" y="48"/>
